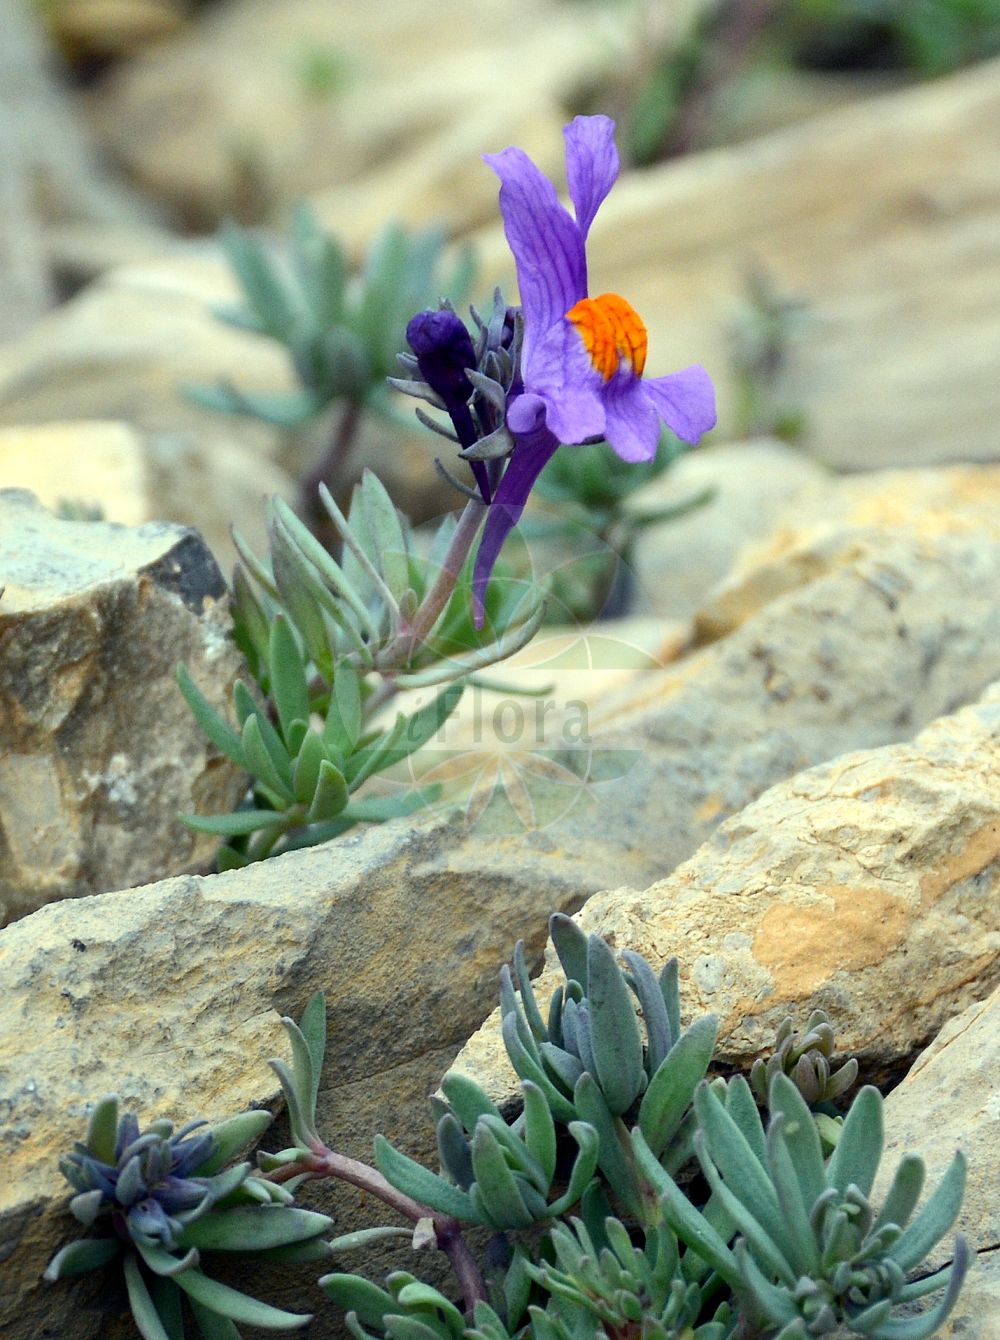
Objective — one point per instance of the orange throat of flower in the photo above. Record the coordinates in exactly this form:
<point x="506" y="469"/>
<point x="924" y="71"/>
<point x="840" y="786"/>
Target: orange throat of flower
<point x="612" y="333"/>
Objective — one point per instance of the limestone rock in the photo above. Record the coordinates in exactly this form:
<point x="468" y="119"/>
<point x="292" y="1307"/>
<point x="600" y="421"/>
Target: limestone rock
<point x="678" y="563"/>
<point x="131" y="478"/>
<point x="948" y="1101"/>
<point x="879" y="218"/>
<point x="389" y="105"/>
<point x="405" y="926"/>
<point x="98" y="751"/>
<point x="866" y="886"/>
<point x="821" y="526"/>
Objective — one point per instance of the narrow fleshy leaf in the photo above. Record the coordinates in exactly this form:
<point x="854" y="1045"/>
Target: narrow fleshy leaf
<point x="343" y="719"/>
<point x="518" y="1156"/>
<point x="167" y="1300"/>
<point x="859" y="1148"/>
<point x="231" y="1138"/>
<point x="671" y="1090"/>
<point x="306" y="1078"/>
<point x="591" y="1107"/>
<point x="739" y="1102"/>
<point x="528" y="1068"/>
<point x="614" y="1028"/>
<point x="387" y="532"/>
<point x="785" y="1174"/>
<point x="84" y="1207"/>
<point x="539" y="1130"/>
<point x="418" y="1182"/>
<point x="164" y="1263"/>
<point x="691" y="1228"/>
<point x="365" y="1237"/>
<point x="453" y="1151"/>
<point x="218" y="731"/>
<point x="935" y="1219"/>
<point x="800" y="1137"/>
<point x="76" y="1258"/>
<point x="570" y="944"/>
<point x="288" y="676"/>
<point x="235" y="825"/>
<point x="265" y="293"/>
<point x="496" y="1182"/>
<point x="528" y="1002"/>
<point x="260" y="761"/>
<point x="776" y="1303"/>
<point x="241" y="1307"/>
<point x="584" y="1167"/>
<point x="211" y="1325"/>
<point x="102" y="1129"/>
<point x="408" y="735"/>
<point x="377" y="809"/>
<point x="468" y="1100"/>
<point x="312" y="1026"/>
<point x="775" y="1256"/>
<point x="144" y="1312"/>
<point x="296" y="1093"/>
<point x="728" y="1149"/>
<point x="654" y="1011"/>
<point x="249" y="1228"/>
<point x="330" y="794"/>
<point x="355" y="1294"/>
<point x="904" y="1192"/>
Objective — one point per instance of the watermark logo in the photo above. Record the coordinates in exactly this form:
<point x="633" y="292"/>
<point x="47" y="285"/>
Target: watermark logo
<point x="530" y="742"/>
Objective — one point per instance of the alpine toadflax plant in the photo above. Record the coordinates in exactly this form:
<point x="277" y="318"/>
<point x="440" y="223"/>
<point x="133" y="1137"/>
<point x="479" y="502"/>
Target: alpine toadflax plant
<point x="582" y="357"/>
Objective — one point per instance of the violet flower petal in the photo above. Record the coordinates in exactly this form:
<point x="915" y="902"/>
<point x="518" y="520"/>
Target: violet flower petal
<point x="685" y="401"/>
<point x="569" y="384"/>
<point x="591" y="165"/>
<point x="546" y="243"/>
<point x="526" y="463"/>
<point x="632" y="425"/>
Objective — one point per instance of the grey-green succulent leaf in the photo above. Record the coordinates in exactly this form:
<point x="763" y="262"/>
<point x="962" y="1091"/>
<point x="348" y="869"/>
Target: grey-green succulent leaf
<point x="102" y="1128"/>
<point x="365" y="1237"/>
<point x="502" y="1200"/>
<point x="250" y="1228"/>
<point x="355" y="1294"/>
<point x="77" y="1258"/>
<point x="584" y="1168"/>
<point x="614" y="1029"/>
<point x="238" y="824"/>
<point x="539" y="1131"/>
<point x="934" y="1220"/>
<point x="144" y="1312"/>
<point x="240" y="1307"/>
<point x="670" y="1092"/>
<point x="468" y="1100"/>
<point x="418" y="1182"/>
<point x="570" y="944"/>
<point x="218" y="731"/>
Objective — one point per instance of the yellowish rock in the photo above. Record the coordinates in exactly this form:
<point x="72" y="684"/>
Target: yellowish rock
<point x="109" y="470"/>
<point x="387" y="106"/>
<point x="99" y="753"/>
<point x="867" y="886"/>
<point x="825" y="525"/>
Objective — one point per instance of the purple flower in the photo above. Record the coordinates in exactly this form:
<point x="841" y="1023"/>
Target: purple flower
<point x="582" y="358"/>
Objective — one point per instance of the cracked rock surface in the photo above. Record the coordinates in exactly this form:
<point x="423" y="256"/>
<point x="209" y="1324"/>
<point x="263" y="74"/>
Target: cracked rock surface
<point x="98" y="750"/>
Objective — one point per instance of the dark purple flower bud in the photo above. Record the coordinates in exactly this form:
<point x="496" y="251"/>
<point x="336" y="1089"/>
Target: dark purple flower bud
<point x="444" y="352"/>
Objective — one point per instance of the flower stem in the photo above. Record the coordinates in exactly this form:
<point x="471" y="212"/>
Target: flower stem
<point x="447" y="1229"/>
<point x="402" y="648"/>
